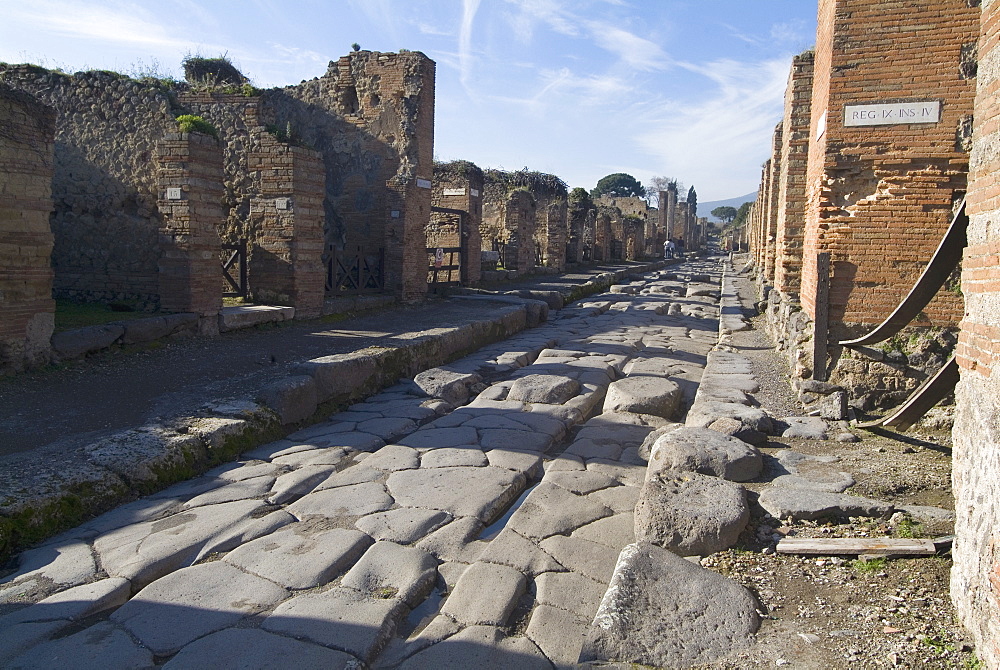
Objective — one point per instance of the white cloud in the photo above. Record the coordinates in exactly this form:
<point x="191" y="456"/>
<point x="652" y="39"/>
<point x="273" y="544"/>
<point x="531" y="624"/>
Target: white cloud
<point x="636" y="51"/>
<point x="465" y="56"/>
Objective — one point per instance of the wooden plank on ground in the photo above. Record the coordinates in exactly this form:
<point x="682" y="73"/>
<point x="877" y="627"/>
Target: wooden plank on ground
<point x="851" y="546"/>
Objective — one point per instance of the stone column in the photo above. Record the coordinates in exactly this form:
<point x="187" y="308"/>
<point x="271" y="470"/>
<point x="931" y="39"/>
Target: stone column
<point x="26" y="154"/>
<point x="189" y="179"/>
<point x="286" y="265"/>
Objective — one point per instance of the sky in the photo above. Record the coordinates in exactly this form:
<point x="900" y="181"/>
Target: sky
<point x="688" y="89"/>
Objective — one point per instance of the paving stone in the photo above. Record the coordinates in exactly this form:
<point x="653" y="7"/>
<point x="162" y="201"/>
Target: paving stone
<point x="460" y="491"/>
<point x="341" y="618"/>
<point x="350" y="440"/>
<point x="239" y="471"/>
<point x="643" y="395"/>
<point x="457" y="541"/>
<point x="398" y="650"/>
<point x="571" y="591"/>
<point x="192" y="602"/>
<point x="558" y="633"/>
<point x="834" y="483"/>
<point x="252" y="649"/>
<point x="404" y="526"/>
<point x="690" y="514"/>
<point x="513" y="550"/>
<point x="394" y="457"/>
<point x="299" y="482"/>
<point x="542" y="422"/>
<point x="620" y="499"/>
<point x="66" y="563"/>
<point x="435" y="438"/>
<point x="446" y="384"/>
<point x="486" y="593"/>
<point x="353" y="500"/>
<point x="479" y="647"/>
<point x="664" y="611"/>
<point x="390" y="570"/>
<point x="703" y="414"/>
<point x="146" y="551"/>
<point x="706" y="452"/>
<point x="805" y="427"/>
<point x="565" y="463"/>
<point x="594" y="560"/>
<point x="624" y="472"/>
<point x="580" y="482"/>
<point x="100" y="646"/>
<point x="16" y="639"/>
<point x="782" y="503"/>
<point x="491" y="419"/>
<point x="498" y="438"/>
<point x="74" y="603"/>
<point x="612" y="531"/>
<point x="587" y="449"/>
<point x="301" y="555"/>
<point x="389" y="429"/>
<point x="549" y="510"/>
<point x="518" y="461"/>
<point x="540" y="388"/>
<point x="625" y="428"/>
<point x="929" y="513"/>
<point x="454" y="457"/>
<point x="356" y="474"/>
<point x="244" y="489"/>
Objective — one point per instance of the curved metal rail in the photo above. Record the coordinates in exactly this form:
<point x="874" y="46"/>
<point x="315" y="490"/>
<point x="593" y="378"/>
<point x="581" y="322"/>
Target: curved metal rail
<point x="925" y="397"/>
<point x="944" y="260"/>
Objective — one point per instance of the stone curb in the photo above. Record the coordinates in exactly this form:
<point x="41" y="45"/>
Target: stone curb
<point x="51" y="492"/>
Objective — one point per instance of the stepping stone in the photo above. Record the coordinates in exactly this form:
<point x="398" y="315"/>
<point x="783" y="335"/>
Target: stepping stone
<point x="393" y="457"/>
<point x="462" y="491"/>
<point x="643" y="395"/>
<point x="548" y="389"/>
<point x="513" y="550"/>
<point x="101" y="646"/>
<point x="250" y="648"/>
<point x="706" y="452"/>
<point x="404" y="526"/>
<point x="354" y="500"/>
<point x="301" y="556"/>
<point x="571" y="591"/>
<point x="690" y="514"/>
<point x="486" y="593"/>
<point x="803" y="504"/>
<point x="551" y="510"/>
<point x="389" y="570"/>
<point x="664" y="611"/>
<point x="341" y="618"/>
<point x="193" y="602"/>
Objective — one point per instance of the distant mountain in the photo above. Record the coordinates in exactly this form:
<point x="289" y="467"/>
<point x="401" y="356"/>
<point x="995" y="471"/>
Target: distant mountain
<point x="705" y="208"/>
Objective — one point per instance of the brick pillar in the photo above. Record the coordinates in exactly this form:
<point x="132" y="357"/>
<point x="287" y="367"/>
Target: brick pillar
<point x="792" y="176"/>
<point x="26" y="162"/>
<point x="975" y="575"/>
<point x="771" y="204"/>
<point x="405" y="240"/>
<point x="602" y="235"/>
<point x="286" y="264"/>
<point x="881" y="186"/>
<point x="554" y="233"/>
<point x="465" y="194"/>
<point x="189" y="179"/>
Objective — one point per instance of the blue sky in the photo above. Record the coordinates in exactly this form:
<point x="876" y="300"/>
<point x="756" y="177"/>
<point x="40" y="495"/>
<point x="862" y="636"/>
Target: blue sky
<point x="689" y="89"/>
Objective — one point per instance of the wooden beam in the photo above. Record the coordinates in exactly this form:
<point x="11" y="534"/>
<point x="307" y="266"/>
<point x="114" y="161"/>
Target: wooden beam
<point x="852" y="546"/>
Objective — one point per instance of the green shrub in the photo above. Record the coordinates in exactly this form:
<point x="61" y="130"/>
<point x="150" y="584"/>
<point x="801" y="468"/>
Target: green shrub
<point x="189" y="123"/>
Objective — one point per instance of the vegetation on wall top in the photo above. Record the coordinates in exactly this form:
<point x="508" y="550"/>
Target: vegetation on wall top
<point x="452" y="170"/>
<point x="499" y="183"/>
<point x="189" y="123"/>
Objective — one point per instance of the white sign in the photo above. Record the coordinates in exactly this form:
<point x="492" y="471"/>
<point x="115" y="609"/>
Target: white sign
<point x="892" y="113"/>
<point x="423" y="183"/>
<point x="439" y="257"/>
<point x="173" y="194"/>
<point x="474" y="192"/>
<point x="454" y="191"/>
<point x="821" y="126"/>
<point x="281" y="203"/>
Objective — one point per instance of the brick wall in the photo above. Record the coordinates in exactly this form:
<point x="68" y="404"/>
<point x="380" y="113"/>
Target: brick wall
<point x="603" y="234"/>
<point x="459" y="185"/>
<point x="880" y="197"/>
<point x="975" y="582"/>
<point x="771" y="206"/>
<point x="27" y="139"/>
<point x="791" y="178"/>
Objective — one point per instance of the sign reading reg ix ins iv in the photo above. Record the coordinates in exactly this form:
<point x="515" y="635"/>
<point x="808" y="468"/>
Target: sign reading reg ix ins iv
<point x="887" y="114"/>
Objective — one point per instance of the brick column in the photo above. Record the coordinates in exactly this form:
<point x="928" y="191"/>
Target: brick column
<point x="975" y="576"/>
<point x="405" y="240"/>
<point x="286" y="265"/>
<point x="465" y="194"/>
<point x="190" y="273"/>
<point x="26" y="152"/>
<point x="771" y="203"/>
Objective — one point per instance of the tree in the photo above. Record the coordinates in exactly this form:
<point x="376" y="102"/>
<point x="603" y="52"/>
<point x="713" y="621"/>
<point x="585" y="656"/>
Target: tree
<point x="692" y="200"/>
<point x="727" y="214"/>
<point x="657" y="184"/>
<point x="741" y="214"/>
<point x="619" y="185"/>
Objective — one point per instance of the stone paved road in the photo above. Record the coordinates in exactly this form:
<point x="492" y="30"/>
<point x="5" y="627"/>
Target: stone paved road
<point x="393" y="535"/>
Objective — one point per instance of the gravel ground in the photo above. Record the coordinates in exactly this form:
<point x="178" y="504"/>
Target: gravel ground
<point x="839" y="611"/>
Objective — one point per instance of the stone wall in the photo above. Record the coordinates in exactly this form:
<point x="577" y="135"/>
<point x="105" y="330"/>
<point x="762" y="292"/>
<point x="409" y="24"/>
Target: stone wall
<point x="459" y="185"/>
<point x="105" y="222"/>
<point x="879" y="197"/>
<point x="975" y="583"/>
<point x="27" y="141"/>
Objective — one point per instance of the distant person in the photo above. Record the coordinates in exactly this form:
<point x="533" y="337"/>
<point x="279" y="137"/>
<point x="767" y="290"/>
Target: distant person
<point x="668" y="249"/>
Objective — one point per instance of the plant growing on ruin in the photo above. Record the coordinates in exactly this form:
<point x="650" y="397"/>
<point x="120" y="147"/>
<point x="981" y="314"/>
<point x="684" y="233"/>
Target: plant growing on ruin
<point x="355" y="47"/>
<point x="189" y="123"/>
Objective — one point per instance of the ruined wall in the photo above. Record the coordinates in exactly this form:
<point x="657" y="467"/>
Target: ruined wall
<point x="509" y="226"/>
<point x="581" y="218"/>
<point x="975" y="580"/>
<point x="770" y="206"/>
<point x="791" y="179"/>
<point x="459" y="185"/>
<point x="603" y="234"/>
<point x="104" y="222"/>
<point x="551" y="230"/>
<point x="879" y="197"/>
<point x="27" y="142"/>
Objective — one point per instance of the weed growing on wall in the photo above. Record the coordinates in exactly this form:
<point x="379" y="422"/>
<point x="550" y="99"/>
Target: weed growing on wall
<point x="189" y="123"/>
